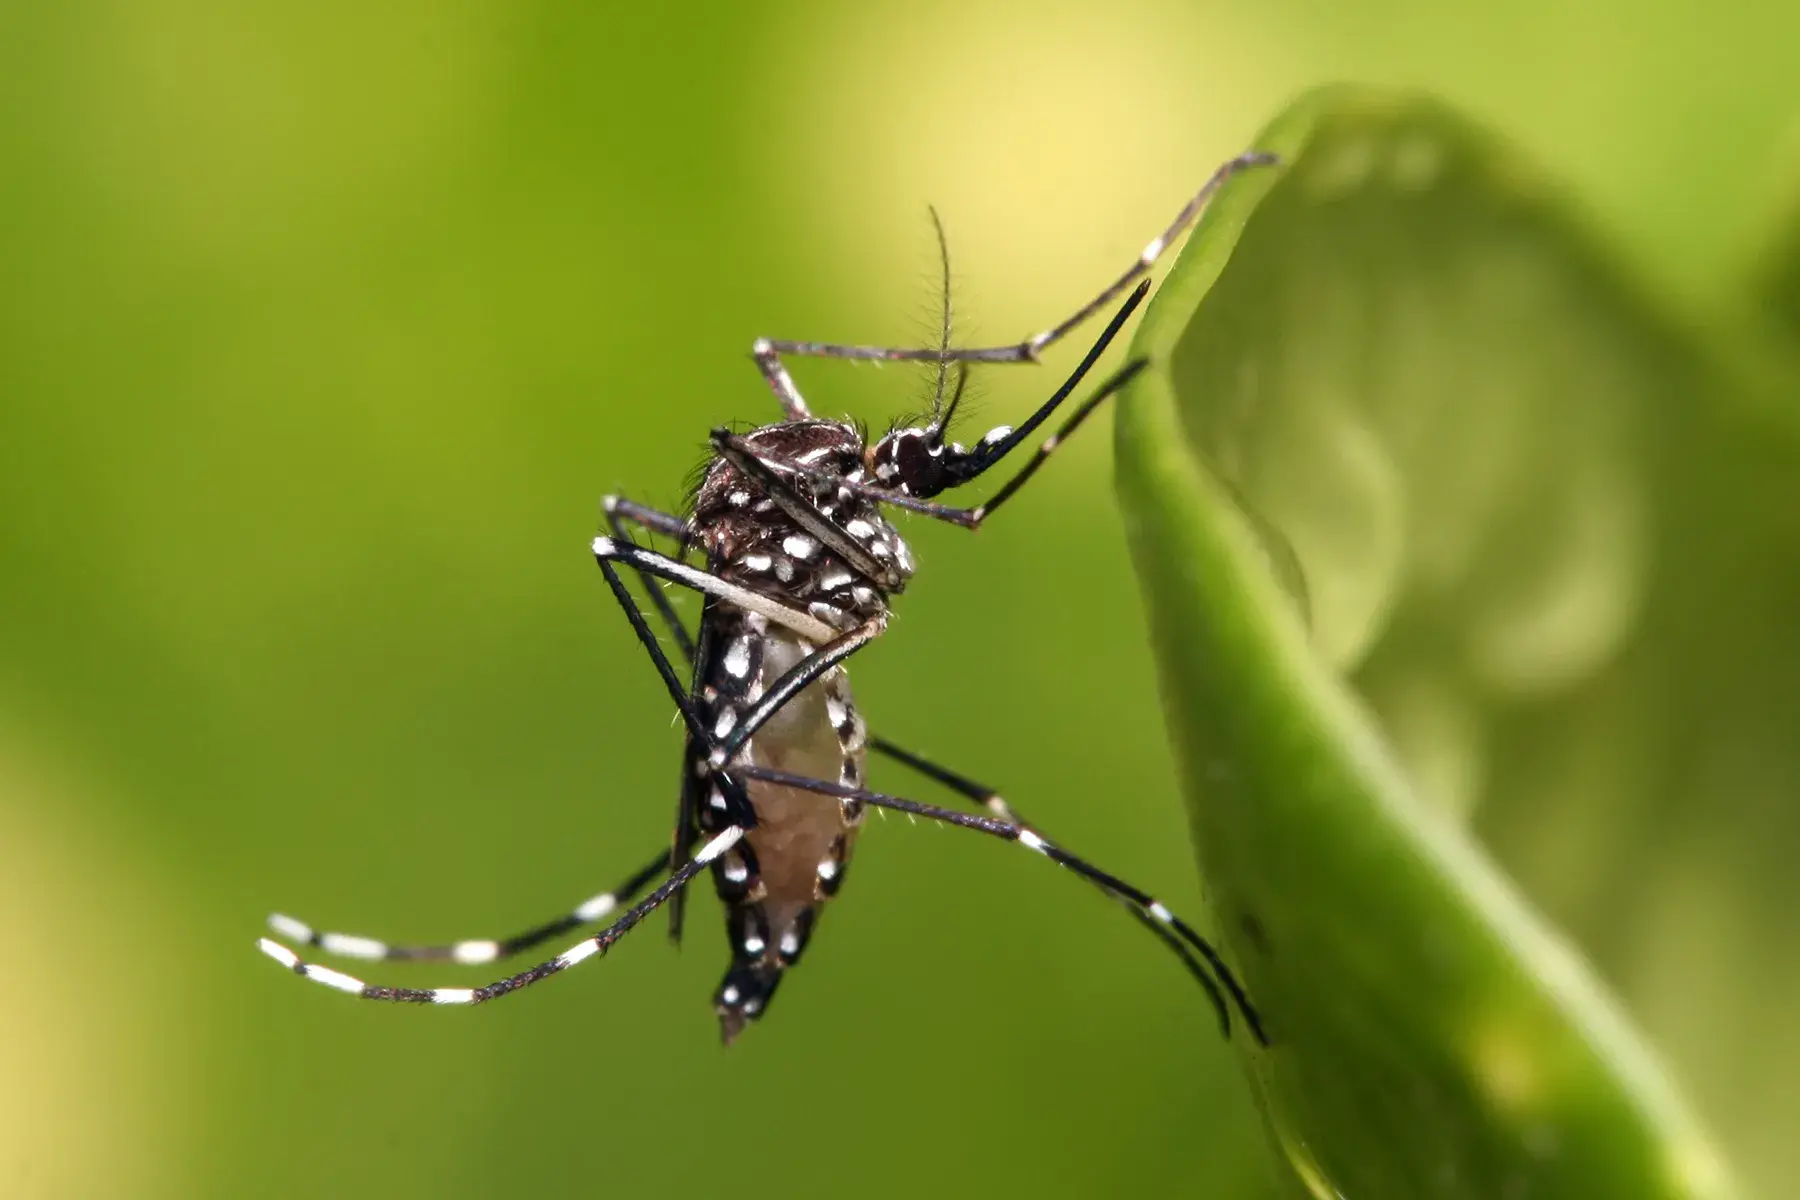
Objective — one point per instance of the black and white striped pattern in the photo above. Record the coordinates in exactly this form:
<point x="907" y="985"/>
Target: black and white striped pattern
<point x="578" y="953"/>
<point x="469" y="951"/>
<point x="800" y="563"/>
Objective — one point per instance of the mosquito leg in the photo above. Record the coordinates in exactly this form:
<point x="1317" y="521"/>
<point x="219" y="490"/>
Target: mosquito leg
<point x="738" y="808"/>
<point x="733" y="737"/>
<point x="482" y="950"/>
<point x="987" y="798"/>
<point x="694" y="789"/>
<point x="579" y="952"/>
<point x="620" y="511"/>
<point x="962" y="785"/>
<point x="768" y="350"/>
<point x="635" y="616"/>
<point x="608" y="549"/>
<point x="1032" y="840"/>
<point x="471" y="950"/>
<point x="768" y="360"/>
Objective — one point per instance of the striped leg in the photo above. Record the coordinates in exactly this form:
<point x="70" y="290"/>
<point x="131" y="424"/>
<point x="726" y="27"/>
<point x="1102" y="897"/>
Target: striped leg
<point x="647" y="562"/>
<point x="1010" y="831"/>
<point x="619" y="511"/>
<point x="579" y="952"/>
<point x="470" y="950"/>
<point x="991" y="800"/>
<point x="784" y="688"/>
<point x="768" y="351"/>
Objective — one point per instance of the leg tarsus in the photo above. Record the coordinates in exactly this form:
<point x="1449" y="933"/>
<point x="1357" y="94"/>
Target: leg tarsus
<point x="587" y="948"/>
<point x="470" y="950"/>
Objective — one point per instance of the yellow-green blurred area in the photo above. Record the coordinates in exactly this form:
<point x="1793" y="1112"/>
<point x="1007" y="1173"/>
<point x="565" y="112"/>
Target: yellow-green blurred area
<point x="323" y="329"/>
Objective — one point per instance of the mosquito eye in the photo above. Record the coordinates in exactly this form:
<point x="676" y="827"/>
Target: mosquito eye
<point x="904" y="460"/>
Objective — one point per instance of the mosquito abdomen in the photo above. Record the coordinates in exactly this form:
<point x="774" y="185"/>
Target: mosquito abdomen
<point x="795" y="858"/>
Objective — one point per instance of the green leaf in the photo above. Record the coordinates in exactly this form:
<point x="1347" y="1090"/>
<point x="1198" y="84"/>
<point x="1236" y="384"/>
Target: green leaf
<point x="1775" y="280"/>
<point x="1391" y="377"/>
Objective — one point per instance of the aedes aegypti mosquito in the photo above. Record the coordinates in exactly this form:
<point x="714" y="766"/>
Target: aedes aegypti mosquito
<point x="799" y="566"/>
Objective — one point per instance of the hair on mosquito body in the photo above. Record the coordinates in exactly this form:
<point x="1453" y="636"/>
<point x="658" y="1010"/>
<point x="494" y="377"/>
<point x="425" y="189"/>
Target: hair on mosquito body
<point x="788" y="542"/>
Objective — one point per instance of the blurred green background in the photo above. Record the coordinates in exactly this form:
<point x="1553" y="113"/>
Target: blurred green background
<point x="324" y="329"/>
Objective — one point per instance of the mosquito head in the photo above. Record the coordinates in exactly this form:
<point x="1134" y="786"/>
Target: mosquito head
<point x="918" y="462"/>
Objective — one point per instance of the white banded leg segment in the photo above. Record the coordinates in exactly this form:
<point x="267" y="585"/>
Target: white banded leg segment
<point x="599" y="906"/>
<point x="718" y="846"/>
<point x="332" y="979"/>
<point x="278" y="952"/>
<point x="470" y="951"/>
<point x="583" y="950"/>
<point x="293" y="930"/>
<point x="475" y="951"/>
<point x="1001" y="809"/>
<point x="346" y="945"/>
<point x="578" y="953"/>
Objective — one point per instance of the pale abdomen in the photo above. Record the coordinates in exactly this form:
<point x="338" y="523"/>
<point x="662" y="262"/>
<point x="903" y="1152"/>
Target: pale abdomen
<point x="775" y="882"/>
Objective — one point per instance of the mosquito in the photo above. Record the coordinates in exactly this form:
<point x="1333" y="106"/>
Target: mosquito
<point x="799" y="565"/>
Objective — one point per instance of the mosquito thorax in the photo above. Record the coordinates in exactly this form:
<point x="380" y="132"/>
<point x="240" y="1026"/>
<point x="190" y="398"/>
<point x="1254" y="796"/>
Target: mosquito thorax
<point x="918" y="462"/>
<point x="756" y="543"/>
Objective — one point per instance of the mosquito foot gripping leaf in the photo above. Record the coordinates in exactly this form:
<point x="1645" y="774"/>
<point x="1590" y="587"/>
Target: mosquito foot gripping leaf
<point x="1388" y="379"/>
